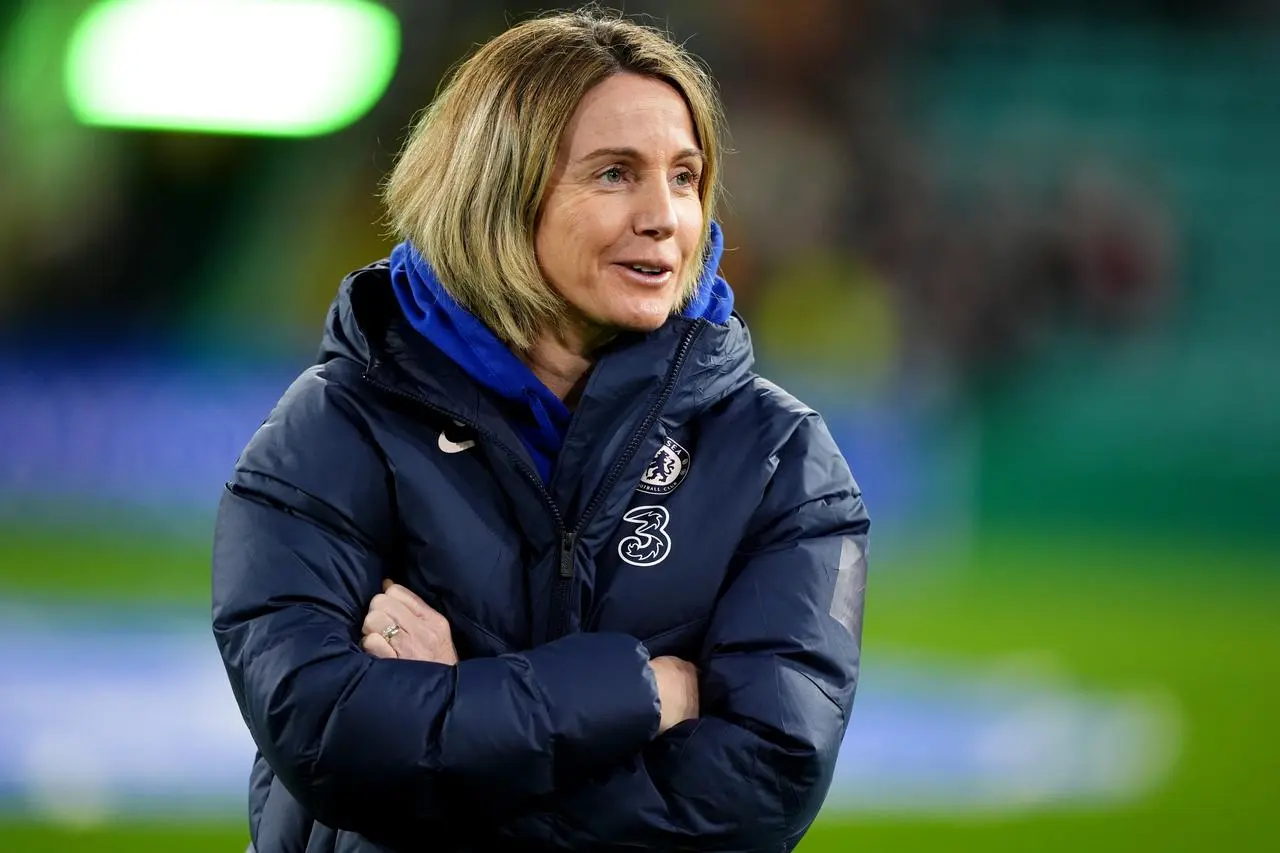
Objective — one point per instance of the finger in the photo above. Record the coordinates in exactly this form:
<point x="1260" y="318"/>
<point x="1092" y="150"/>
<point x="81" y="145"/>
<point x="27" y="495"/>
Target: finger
<point x="403" y="615"/>
<point x="377" y="621"/>
<point x="421" y="613"/>
<point x="377" y="645"/>
<point x="410" y="598"/>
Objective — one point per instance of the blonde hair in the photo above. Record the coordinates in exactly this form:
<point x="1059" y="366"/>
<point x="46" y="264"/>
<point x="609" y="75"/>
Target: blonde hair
<point x="467" y="188"/>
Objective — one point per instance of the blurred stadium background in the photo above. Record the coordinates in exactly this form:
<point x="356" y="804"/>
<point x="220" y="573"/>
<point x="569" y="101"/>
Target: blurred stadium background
<point x="1021" y="254"/>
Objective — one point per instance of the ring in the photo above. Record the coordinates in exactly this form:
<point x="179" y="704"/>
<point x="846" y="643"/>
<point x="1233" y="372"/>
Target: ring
<point x="390" y="631"/>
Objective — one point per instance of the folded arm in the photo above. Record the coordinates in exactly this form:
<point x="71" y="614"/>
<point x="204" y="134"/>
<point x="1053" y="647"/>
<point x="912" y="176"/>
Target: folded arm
<point x="780" y="665"/>
<point x="373" y="745"/>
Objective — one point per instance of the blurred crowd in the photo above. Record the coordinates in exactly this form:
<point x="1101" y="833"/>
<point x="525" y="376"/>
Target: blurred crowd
<point x="865" y="259"/>
<point x="852" y="248"/>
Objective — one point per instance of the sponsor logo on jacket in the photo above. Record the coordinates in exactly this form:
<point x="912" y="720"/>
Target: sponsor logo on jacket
<point x="649" y="544"/>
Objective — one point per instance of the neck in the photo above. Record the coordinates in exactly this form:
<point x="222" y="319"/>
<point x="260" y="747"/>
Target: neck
<point x="562" y="359"/>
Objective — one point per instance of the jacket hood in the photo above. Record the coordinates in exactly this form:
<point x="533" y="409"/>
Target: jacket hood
<point x="433" y="312"/>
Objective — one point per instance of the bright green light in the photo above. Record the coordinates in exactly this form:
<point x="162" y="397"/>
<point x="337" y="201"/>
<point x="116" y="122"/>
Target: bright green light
<point x="269" y="67"/>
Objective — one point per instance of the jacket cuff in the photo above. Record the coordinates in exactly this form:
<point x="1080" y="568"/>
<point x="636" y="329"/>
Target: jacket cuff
<point x="600" y="694"/>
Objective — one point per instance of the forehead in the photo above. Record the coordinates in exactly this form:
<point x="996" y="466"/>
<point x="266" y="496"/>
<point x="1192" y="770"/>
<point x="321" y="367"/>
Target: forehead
<point x="631" y="111"/>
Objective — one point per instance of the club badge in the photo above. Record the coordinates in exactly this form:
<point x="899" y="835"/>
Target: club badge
<point x="667" y="470"/>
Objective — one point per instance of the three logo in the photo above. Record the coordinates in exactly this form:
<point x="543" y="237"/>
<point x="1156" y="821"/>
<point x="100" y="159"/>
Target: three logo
<point x="649" y="544"/>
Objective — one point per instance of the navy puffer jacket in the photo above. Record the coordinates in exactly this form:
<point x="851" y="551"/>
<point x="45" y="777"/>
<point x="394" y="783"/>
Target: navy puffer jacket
<point x="695" y="510"/>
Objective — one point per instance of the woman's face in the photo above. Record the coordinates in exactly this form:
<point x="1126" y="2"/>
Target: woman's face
<point x="621" y="217"/>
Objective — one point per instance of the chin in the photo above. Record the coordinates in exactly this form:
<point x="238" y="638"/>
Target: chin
<point x="646" y="321"/>
<point x="643" y="314"/>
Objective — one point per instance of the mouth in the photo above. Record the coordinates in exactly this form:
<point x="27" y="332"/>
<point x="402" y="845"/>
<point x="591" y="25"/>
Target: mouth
<point x="645" y="272"/>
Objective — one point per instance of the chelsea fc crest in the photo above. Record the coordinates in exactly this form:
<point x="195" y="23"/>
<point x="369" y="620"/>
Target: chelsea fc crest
<point x="667" y="470"/>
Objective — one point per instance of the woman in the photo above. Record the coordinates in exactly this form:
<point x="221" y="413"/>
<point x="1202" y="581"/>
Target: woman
<point x="531" y="559"/>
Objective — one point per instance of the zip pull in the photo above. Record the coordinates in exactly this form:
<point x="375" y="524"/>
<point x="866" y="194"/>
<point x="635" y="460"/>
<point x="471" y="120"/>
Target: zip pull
<point x="566" y="556"/>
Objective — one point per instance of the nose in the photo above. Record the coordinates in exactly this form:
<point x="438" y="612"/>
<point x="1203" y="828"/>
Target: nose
<point x="655" y="212"/>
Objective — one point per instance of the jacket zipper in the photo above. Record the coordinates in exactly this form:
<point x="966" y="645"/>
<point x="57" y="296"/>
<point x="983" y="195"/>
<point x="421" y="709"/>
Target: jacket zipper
<point x="561" y="598"/>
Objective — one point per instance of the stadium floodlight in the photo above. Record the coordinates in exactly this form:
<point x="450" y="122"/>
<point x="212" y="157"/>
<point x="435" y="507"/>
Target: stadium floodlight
<point x="262" y="67"/>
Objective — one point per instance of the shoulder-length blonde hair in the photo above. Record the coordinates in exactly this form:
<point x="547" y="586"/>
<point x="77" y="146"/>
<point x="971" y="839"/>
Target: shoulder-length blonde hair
<point x="467" y="188"/>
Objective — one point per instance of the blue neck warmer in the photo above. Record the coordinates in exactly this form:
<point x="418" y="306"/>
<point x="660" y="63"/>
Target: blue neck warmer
<point x="539" y="417"/>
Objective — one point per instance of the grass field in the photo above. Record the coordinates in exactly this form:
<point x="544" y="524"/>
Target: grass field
<point x="1197" y="622"/>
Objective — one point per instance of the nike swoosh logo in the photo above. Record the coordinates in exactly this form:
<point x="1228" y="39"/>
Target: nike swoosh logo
<point x="448" y="446"/>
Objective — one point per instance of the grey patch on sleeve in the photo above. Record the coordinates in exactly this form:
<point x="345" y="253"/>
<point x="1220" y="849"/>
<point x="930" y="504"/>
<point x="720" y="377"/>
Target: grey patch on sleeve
<point x="851" y="585"/>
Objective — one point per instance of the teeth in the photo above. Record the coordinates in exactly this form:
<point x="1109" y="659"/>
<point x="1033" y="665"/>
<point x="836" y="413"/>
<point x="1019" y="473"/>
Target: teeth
<point x="641" y="268"/>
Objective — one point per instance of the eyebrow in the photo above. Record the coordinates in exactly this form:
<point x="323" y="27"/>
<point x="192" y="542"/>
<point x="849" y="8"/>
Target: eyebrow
<point x="633" y="154"/>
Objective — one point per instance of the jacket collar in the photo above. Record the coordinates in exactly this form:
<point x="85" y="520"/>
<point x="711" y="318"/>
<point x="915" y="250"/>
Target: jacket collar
<point x="366" y="325"/>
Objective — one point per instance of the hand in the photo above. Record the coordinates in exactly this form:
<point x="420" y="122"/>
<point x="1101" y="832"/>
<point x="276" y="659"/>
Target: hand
<point x="677" y="690"/>
<point x="424" y="634"/>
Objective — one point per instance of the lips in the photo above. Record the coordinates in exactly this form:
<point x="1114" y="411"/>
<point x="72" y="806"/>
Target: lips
<point x="647" y="265"/>
<point x="648" y="273"/>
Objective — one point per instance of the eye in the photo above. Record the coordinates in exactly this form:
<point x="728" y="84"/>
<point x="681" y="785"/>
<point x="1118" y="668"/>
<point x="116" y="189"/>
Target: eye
<point x="612" y="175"/>
<point x="687" y="178"/>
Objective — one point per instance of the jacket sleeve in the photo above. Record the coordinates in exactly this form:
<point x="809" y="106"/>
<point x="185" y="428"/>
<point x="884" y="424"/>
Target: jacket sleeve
<point x="301" y="545"/>
<point x="778" y="671"/>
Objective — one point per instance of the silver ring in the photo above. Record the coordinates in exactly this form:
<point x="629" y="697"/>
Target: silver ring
<point x="390" y="631"/>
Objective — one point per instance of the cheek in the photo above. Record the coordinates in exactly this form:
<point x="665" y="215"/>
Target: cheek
<point x="690" y="233"/>
<point x="564" y="237"/>
<point x="690" y="223"/>
<point x="555" y="247"/>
